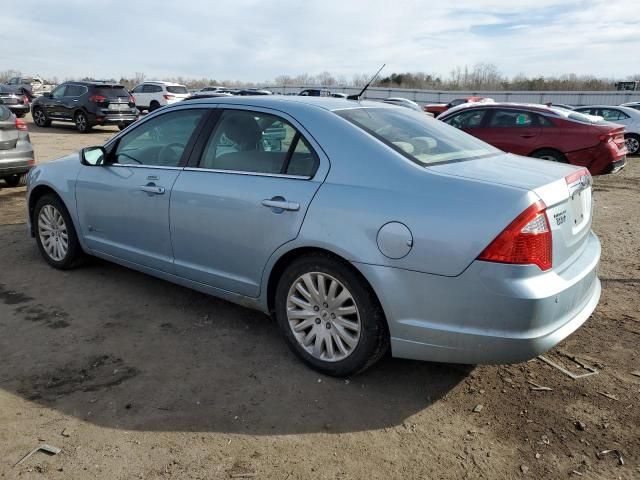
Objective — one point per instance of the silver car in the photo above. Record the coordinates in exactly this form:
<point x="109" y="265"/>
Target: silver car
<point x="16" y="151"/>
<point x="361" y="227"/>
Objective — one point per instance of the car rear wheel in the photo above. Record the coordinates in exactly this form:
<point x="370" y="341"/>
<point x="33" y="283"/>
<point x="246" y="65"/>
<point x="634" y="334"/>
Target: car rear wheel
<point x="633" y="143"/>
<point x="55" y="234"/>
<point x="16" y="180"/>
<point x="329" y="316"/>
<point x="82" y="122"/>
<point x="549" y="154"/>
<point x="154" y="106"/>
<point x="40" y="118"/>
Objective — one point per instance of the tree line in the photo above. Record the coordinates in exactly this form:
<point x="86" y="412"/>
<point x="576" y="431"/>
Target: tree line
<point x="481" y="76"/>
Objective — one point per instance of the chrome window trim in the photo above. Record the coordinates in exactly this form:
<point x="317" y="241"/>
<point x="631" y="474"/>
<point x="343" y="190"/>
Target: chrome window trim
<point x="161" y="167"/>
<point x="253" y="174"/>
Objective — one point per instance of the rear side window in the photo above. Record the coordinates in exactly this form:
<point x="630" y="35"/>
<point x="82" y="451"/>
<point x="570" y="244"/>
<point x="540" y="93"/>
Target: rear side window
<point x="177" y="89"/>
<point x="113" y="92"/>
<point x="257" y="142"/>
<point x="511" y="119"/>
<point x="419" y="138"/>
<point x="467" y="119"/>
<point x="544" y="121"/>
<point x="611" y="114"/>
<point x="75" y="90"/>
<point x="151" y="89"/>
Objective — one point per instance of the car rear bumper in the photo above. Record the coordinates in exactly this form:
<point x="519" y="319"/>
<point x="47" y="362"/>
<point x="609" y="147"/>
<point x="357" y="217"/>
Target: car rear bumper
<point x="19" y="108"/>
<point x="617" y="165"/>
<point x="114" y="119"/>
<point x="17" y="160"/>
<point x="491" y="313"/>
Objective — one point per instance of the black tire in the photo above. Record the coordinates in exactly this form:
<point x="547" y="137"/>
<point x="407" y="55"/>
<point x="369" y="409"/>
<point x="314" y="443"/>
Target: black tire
<point x="374" y="336"/>
<point x="82" y="122"/>
<point x="122" y="126"/>
<point x="550" y="154"/>
<point x="633" y="143"/>
<point x="74" y="251"/>
<point x="40" y="117"/>
<point x="154" y="106"/>
<point x="16" y="180"/>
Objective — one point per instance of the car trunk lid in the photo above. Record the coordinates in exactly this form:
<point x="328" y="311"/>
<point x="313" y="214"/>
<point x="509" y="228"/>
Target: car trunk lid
<point x="565" y="190"/>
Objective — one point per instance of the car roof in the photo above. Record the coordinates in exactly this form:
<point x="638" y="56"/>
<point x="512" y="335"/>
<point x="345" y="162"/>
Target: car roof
<point x="283" y="101"/>
<point x="93" y="83"/>
<point x="161" y="82"/>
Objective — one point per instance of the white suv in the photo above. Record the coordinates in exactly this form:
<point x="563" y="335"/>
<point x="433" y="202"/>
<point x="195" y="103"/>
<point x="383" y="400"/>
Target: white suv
<point x="152" y="95"/>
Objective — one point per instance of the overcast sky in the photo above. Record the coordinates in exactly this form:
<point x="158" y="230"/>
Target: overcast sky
<point x="257" y="40"/>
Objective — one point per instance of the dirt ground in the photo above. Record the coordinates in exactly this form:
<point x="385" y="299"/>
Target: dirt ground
<point x="134" y="377"/>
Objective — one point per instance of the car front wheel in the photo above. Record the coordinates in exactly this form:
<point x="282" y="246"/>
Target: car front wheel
<point x="55" y="234"/>
<point x="329" y="316"/>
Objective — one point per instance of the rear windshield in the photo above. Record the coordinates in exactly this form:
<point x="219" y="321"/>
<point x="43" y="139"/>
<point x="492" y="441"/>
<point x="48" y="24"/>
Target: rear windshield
<point x="112" y="92"/>
<point x="416" y="136"/>
<point x="177" y="89"/>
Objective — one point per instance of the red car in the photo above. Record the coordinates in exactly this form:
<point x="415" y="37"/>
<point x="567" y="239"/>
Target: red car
<point x="438" y="108"/>
<point x="545" y="132"/>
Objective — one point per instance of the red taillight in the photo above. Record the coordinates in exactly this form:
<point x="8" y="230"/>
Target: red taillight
<point x="132" y="99"/>
<point x="526" y="241"/>
<point x="20" y="125"/>
<point x="168" y="97"/>
<point x="97" y="98"/>
<point x="25" y="99"/>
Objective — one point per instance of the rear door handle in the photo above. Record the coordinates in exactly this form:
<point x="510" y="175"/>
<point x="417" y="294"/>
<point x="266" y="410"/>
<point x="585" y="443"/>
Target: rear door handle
<point x="152" y="189"/>
<point x="527" y="135"/>
<point x="275" y="202"/>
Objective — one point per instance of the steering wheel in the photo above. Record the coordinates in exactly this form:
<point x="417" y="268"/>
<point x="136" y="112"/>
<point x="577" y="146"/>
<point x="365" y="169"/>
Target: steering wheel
<point x="167" y="156"/>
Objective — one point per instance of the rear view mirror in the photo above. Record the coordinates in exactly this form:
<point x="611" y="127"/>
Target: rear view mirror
<point x="93" y="156"/>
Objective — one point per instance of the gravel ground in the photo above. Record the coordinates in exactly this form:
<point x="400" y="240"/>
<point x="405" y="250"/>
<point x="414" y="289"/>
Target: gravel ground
<point x="134" y="377"/>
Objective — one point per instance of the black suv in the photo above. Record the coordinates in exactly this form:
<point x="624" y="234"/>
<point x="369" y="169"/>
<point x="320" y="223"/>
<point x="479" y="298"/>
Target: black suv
<point x="86" y="104"/>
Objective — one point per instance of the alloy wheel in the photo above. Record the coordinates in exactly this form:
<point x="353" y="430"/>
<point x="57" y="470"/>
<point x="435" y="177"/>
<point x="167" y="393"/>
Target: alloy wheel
<point x="323" y="316"/>
<point x="633" y="145"/>
<point x="53" y="233"/>
<point x="38" y="117"/>
<point x="81" y="122"/>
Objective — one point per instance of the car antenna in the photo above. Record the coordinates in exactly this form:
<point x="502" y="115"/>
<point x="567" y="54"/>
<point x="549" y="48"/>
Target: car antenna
<point x="357" y="97"/>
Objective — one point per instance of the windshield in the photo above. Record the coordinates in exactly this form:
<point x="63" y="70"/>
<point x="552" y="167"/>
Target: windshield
<point x="416" y="136"/>
<point x="177" y="89"/>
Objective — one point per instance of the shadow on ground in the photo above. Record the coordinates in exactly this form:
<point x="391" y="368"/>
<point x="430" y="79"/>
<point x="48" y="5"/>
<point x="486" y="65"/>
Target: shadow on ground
<point x="124" y="350"/>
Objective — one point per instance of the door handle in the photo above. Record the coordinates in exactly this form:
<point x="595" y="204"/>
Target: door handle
<point x="152" y="189"/>
<point x="281" y="203"/>
<point x="527" y="135"/>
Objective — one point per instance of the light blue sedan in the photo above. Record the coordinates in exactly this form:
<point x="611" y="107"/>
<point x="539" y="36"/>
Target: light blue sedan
<point x="361" y="227"/>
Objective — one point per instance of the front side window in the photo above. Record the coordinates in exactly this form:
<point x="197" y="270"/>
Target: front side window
<point x="419" y="138"/>
<point x="159" y="141"/>
<point x="511" y="119"/>
<point x="467" y="119"/>
<point x="257" y="142"/>
<point x="138" y="89"/>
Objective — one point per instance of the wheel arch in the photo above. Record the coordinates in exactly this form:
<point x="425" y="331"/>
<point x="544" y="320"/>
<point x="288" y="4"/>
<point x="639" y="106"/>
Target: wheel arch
<point x="288" y="257"/>
<point x="541" y="149"/>
<point x="38" y="192"/>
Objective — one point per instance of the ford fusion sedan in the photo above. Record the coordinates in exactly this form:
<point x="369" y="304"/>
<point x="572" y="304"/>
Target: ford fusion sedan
<point x="362" y="227"/>
<point x="549" y="133"/>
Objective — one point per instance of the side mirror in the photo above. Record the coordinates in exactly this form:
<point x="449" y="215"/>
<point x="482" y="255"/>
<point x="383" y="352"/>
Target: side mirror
<point x="47" y="94"/>
<point x="93" y="156"/>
